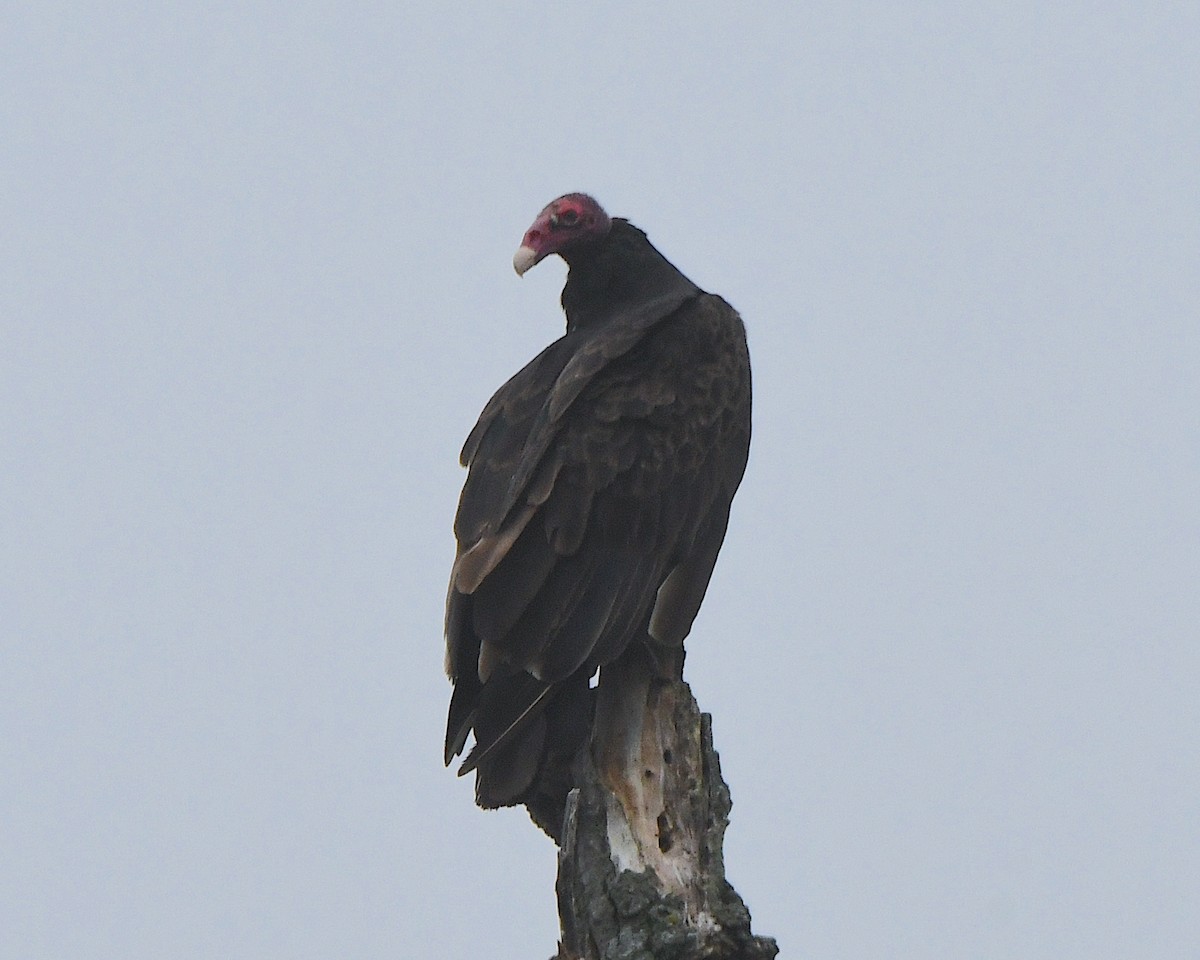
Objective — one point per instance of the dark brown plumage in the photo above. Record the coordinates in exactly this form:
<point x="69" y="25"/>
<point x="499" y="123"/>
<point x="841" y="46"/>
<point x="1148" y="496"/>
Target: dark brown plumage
<point x="597" y="498"/>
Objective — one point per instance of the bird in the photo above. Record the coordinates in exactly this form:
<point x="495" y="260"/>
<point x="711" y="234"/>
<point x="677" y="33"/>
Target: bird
<point x="598" y="493"/>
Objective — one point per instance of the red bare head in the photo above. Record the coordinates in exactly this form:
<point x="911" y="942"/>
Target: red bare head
<point x="570" y="220"/>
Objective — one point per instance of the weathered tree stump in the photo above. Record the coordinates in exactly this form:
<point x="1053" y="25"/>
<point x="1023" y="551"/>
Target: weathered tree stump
<point x="641" y="873"/>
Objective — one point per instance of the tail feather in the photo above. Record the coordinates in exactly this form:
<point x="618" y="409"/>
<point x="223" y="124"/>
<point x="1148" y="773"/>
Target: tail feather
<point x="528" y="734"/>
<point x="493" y="729"/>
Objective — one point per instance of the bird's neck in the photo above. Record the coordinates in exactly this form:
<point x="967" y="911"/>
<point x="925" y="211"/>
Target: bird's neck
<point x="612" y="274"/>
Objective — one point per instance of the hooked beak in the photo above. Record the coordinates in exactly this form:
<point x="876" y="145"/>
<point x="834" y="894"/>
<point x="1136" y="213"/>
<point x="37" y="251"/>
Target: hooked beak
<point x="524" y="258"/>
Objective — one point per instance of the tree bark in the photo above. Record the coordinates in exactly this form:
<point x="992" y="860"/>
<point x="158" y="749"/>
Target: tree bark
<point x="641" y="873"/>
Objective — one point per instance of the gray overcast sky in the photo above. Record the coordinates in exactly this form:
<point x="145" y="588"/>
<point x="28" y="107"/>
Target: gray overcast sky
<point x="256" y="284"/>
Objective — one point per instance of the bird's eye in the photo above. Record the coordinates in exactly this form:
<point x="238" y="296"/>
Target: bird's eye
<point x="568" y="218"/>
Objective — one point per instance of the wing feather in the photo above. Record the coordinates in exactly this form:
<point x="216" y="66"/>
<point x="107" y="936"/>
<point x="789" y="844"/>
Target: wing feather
<point x="597" y="499"/>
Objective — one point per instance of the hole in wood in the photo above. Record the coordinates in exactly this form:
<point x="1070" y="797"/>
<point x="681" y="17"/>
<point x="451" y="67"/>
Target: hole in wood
<point x="665" y="840"/>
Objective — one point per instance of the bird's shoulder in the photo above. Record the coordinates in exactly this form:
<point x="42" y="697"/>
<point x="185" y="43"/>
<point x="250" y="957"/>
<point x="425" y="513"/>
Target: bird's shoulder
<point x="659" y="411"/>
<point x="521" y="397"/>
<point x="633" y="401"/>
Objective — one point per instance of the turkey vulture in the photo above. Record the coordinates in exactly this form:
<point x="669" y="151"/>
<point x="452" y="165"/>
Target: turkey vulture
<point x="598" y="493"/>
